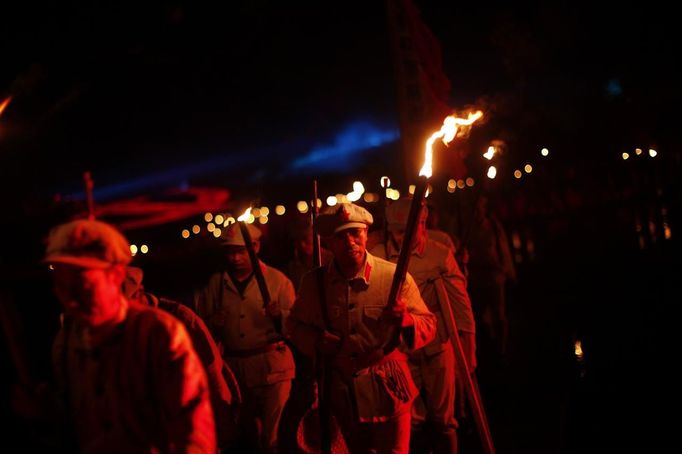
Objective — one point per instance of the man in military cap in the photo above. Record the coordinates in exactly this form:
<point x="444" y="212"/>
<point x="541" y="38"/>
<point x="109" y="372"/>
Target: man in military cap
<point x="250" y="334"/>
<point x="350" y="322"/>
<point x="130" y="378"/>
<point x="443" y="287"/>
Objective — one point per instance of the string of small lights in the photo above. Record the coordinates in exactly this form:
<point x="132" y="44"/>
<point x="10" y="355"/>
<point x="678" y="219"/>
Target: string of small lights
<point x="214" y="223"/>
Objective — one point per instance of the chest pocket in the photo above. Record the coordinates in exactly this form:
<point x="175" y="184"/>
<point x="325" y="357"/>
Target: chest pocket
<point x="371" y="317"/>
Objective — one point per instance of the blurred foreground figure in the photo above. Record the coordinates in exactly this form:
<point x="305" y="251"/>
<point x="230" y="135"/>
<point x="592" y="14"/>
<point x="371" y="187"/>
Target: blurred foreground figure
<point x="443" y="288"/>
<point x="129" y="376"/>
<point x="250" y="334"/>
<point x="225" y="395"/>
<point x="342" y="312"/>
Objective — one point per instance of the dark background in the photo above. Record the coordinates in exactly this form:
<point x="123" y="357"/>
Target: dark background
<point x="180" y="94"/>
<point x="126" y="89"/>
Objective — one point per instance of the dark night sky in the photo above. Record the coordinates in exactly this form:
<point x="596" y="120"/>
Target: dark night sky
<point x="125" y="90"/>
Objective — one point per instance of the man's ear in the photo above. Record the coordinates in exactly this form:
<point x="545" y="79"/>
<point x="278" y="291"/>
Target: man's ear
<point x="118" y="273"/>
<point x="256" y="246"/>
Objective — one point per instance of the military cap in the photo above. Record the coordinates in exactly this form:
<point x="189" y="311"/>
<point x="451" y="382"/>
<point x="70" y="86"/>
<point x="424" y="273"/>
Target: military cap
<point x="232" y="234"/>
<point x="342" y="216"/>
<point x="88" y="244"/>
<point x="398" y="212"/>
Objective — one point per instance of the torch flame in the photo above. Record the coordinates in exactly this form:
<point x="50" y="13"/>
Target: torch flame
<point x="447" y="133"/>
<point x="4" y="104"/>
<point x="245" y="217"/>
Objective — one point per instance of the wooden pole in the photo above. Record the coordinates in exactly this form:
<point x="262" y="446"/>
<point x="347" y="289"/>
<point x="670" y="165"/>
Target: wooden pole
<point x="314" y="211"/>
<point x="323" y="382"/>
<point x="470" y="382"/>
<point x="404" y="258"/>
<point x="255" y="264"/>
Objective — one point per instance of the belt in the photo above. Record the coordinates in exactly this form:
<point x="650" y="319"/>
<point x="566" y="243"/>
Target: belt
<point x="255" y="351"/>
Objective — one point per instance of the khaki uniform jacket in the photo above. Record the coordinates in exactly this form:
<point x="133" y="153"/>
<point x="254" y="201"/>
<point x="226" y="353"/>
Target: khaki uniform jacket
<point x="247" y="327"/>
<point x="143" y="389"/>
<point x="441" y="237"/>
<point x="385" y="388"/>
<point x="437" y="262"/>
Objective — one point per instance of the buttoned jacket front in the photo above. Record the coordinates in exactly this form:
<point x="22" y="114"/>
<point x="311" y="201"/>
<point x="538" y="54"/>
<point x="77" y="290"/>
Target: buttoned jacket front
<point x="354" y="310"/>
<point x="247" y="327"/>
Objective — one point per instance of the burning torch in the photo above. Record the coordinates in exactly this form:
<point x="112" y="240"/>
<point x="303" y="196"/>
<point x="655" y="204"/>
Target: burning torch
<point x="4" y="104"/>
<point x="447" y="132"/>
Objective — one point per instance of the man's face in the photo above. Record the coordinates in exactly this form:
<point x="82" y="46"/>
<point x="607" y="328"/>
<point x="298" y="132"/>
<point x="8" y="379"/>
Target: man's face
<point x="349" y="246"/>
<point x="419" y="234"/>
<point x="238" y="260"/>
<point x="89" y="294"/>
<point x="305" y="246"/>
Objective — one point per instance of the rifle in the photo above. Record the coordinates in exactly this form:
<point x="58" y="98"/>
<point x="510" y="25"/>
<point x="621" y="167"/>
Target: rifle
<point x="314" y="212"/>
<point x="323" y="382"/>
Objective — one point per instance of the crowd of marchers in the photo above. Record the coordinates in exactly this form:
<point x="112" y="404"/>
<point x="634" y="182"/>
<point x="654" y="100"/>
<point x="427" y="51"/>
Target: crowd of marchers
<point x="332" y="352"/>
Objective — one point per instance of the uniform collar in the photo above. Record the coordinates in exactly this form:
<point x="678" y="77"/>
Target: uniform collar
<point x="360" y="279"/>
<point x="394" y="253"/>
